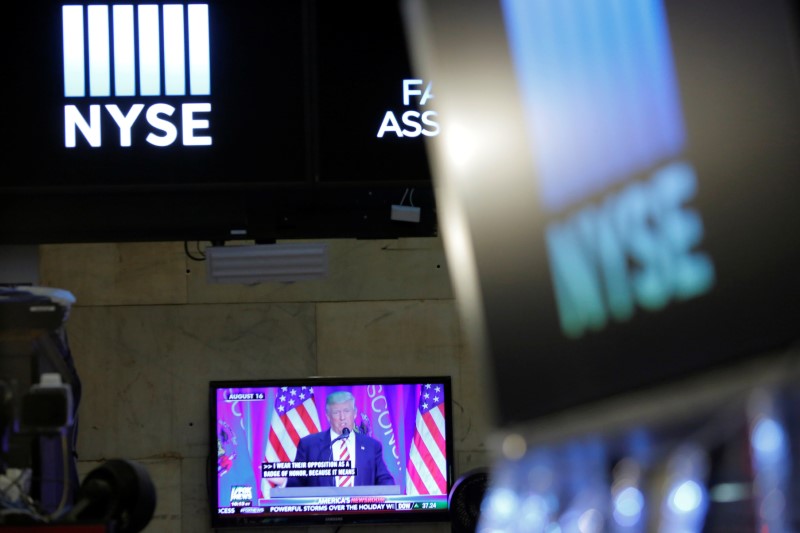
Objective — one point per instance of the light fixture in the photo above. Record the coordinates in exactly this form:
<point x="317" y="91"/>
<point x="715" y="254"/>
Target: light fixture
<point x="249" y="264"/>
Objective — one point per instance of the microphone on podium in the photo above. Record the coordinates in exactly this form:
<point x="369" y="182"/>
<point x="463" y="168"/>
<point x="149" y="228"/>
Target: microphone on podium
<point x="344" y="435"/>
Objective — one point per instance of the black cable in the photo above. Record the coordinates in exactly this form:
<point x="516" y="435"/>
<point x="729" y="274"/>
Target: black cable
<point x="189" y="254"/>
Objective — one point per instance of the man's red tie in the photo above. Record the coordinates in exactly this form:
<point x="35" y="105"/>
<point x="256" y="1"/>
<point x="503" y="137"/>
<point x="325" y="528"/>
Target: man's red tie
<point x="344" y="455"/>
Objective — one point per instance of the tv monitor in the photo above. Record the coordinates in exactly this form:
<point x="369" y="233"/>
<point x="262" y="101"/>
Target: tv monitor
<point x="276" y="457"/>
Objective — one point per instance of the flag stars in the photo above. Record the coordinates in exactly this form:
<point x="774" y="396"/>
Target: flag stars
<point x="291" y="402"/>
<point x="294" y="392"/>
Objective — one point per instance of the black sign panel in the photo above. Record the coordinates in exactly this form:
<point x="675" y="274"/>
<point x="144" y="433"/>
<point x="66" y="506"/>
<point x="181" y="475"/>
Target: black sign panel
<point x="97" y="105"/>
<point x="372" y="115"/>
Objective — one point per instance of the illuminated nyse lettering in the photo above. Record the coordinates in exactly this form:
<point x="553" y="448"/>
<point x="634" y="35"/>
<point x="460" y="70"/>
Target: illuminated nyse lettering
<point x="636" y="249"/>
<point x="92" y="130"/>
<point x="170" y="38"/>
<point x="414" y="121"/>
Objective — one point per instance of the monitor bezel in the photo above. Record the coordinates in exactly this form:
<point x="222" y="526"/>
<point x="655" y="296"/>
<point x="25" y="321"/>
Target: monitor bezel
<point x="326" y="518"/>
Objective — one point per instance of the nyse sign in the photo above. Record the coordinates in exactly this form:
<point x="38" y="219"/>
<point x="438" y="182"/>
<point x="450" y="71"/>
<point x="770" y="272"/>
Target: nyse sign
<point x="165" y="132"/>
<point x="641" y="247"/>
<point x="638" y="249"/>
<point x="151" y="47"/>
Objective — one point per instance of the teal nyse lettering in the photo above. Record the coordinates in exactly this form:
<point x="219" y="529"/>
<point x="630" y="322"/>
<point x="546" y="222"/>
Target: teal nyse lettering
<point x="639" y="248"/>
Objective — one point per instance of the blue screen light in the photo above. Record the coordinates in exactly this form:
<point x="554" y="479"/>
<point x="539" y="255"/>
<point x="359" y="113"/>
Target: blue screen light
<point x="686" y="497"/>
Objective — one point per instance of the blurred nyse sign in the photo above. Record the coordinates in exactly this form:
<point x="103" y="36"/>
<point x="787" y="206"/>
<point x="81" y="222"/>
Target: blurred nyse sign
<point x="601" y="109"/>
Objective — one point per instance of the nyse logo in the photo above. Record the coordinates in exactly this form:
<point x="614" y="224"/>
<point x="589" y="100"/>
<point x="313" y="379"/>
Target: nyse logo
<point x="639" y="248"/>
<point x="602" y="109"/>
<point x="414" y="122"/>
<point x="152" y="49"/>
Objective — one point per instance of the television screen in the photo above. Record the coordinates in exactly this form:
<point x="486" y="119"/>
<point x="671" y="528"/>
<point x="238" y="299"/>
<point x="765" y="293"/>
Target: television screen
<point x="330" y="451"/>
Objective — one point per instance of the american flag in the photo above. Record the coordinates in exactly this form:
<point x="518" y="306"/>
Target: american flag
<point x="295" y="417"/>
<point x="426" y="472"/>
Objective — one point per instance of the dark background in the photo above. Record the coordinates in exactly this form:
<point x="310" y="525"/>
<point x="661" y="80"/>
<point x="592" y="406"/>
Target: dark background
<point x="296" y="89"/>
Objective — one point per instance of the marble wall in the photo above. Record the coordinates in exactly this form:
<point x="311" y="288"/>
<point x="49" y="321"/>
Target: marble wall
<point x="148" y="332"/>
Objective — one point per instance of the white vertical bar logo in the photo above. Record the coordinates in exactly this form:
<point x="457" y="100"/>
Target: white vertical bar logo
<point x="99" y="55"/>
<point x="149" y="51"/>
<point x="174" y="63"/>
<point x="109" y="34"/>
<point x="124" y="53"/>
<point x="199" y="60"/>
<point x="74" y="65"/>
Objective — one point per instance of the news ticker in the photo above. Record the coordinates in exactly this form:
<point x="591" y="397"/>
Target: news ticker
<point x="340" y="504"/>
<point x="307" y="469"/>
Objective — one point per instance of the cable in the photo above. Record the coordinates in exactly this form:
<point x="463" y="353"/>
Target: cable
<point x="202" y="256"/>
<point x="403" y="199"/>
<point x="65" y="477"/>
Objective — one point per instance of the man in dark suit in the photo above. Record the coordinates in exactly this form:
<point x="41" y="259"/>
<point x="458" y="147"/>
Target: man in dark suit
<point x="362" y="450"/>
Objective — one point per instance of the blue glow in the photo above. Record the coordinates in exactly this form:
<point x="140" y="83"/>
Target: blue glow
<point x="74" y="66"/>
<point x="124" y="52"/>
<point x="628" y="506"/>
<point x="500" y="505"/>
<point x="533" y="513"/>
<point x="686" y="497"/>
<point x="768" y="438"/>
<point x="199" y="55"/>
<point x="730" y="492"/>
<point x="599" y="91"/>
<point x="174" y="53"/>
<point x="99" y="52"/>
<point x="149" y="51"/>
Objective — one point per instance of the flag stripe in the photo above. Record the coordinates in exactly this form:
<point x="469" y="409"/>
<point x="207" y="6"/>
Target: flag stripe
<point x="288" y="424"/>
<point x="422" y="479"/>
<point x="434" y="430"/>
<point x="275" y="450"/>
<point x="435" y="455"/>
<point x="289" y="427"/>
<point x="426" y="470"/>
<point x="416" y="484"/>
<point x="431" y="466"/>
<point x="286" y="441"/>
<point x="305" y="416"/>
